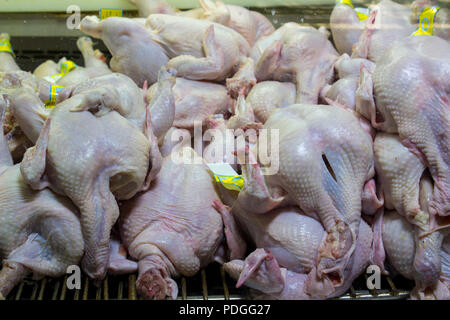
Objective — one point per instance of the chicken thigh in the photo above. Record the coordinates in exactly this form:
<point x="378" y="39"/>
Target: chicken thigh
<point x="323" y="169"/>
<point x="93" y="159"/>
<point x="267" y="96"/>
<point x="413" y="97"/>
<point x="250" y="24"/>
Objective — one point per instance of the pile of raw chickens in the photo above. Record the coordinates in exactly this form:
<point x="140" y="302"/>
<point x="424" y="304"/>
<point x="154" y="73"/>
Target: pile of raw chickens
<point x="363" y="177"/>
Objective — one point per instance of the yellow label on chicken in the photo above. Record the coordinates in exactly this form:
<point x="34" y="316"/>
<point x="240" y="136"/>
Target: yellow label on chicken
<point x="5" y="46"/>
<point x="426" y="21"/>
<point x="106" y="13"/>
<point x="347" y="2"/>
<point x="363" y="13"/>
<point x="54" y="91"/>
<point x="231" y="183"/>
<point x="67" y="66"/>
<point x="224" y="174"/>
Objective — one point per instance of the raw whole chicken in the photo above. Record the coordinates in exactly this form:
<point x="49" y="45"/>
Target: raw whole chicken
<point x="40" y="232"/>
<point x="412" y="92"/>
<point x="403" y="249"/>
<point x="293" y="240"/>
<point x="169" y="230"/>
<point x="250" y="24"/>
<point x="196" y="101"/>
<point x="108" y="158"/>
<point x="298" y="54"/>
<point x="267" y="96"/>
<point x="209" y="51"/>
<point x="322" y="169"/>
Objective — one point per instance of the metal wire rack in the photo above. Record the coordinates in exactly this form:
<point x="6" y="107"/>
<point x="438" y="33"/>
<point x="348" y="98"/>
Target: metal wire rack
<point x="211" y="283"/>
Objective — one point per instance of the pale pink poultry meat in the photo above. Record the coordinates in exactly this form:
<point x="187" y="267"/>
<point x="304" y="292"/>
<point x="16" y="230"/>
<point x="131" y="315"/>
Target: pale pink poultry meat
<point x="133" y="51"/>
<point x="401" y="244"/>
<point x="298" y="54"/>
<point x="323" y="169"/>
<point x="209" y="52"/>
<point x="169" y="229"/>
<point x="40" y="232"/>
<point x="107" y="158"/>
<point x="250" y="24"/>
<point x="412" y="92"/>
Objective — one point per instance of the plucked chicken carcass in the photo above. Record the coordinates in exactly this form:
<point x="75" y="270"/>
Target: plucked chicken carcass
<point x="169" y="230"/>
<point x="412" y="92"/>
<point x="323" y="168"/>
<point x="404" y="249"/>
<point x="250" y="24"/>
<point x="266" y="96"/>
<point x="205" y="51"/>
<point x="290" y="239"/>
<point x="298" y="54"/>
<point x="40" y="232"/>
<point x="108" y="158"/>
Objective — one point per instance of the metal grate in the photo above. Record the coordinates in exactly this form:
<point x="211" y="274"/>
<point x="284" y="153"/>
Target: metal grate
<point x="211" y="283"/>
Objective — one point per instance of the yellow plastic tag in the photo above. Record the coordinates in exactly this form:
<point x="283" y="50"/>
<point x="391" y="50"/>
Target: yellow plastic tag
<point x="5" y="46"/>
<point x="426" y="21"/>
<point x="106" y="13"/>
<point x="363" y="13"/>
<point x="65" y="68"/>
<point x="347" y="2"/>
<point x="224" y="174"/>
<point x="54" y="91"/>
